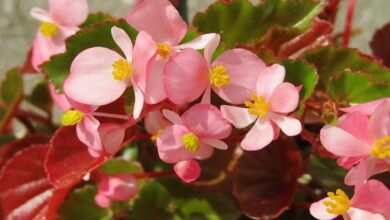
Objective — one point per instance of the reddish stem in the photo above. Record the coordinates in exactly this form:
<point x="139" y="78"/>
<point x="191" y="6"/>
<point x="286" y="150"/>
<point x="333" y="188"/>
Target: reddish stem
<point x="348" y="22"/>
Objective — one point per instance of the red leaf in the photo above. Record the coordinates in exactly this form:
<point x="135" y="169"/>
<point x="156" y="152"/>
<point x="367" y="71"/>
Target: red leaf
<point x="8" y="150"/>
<point x="380" y="44"/>
<point x="27" y="65"/>
<point x="264" y="181"/>
<point x="25" y="192"/>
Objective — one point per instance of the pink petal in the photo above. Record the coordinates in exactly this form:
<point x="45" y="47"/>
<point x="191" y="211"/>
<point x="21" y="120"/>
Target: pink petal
<point x="366" y="108"/>
<point x="206" y="121"/>
<point x="269" y="78"/>
<point x="360" y="173"/>
<point x="119" y="187"/>
<point x="59" y="99"/>
<point x="143" y="55"/>
<point x="160" y="19"/>
<point x="210" y="48"/>
<point x="342" y="143"/>
<point x="91" y="81"/>
<point x="373" y="196"/>
<point x="318" y="210"/>
<point x="360" y="214"/>
<point x="243" y="68"/>
<point x="260" y="135"/>
<point x="155" y="91"/>
<point x="188" y="170"/>
<point x="289" y="125"/>
<point x="284" y="99"/>
<point x="355" y="123"/>
<point x="155" y="121"/>
<point x="348" y="162"/>
<point x="112" y="136"/>
<point x="215" y="143"/>
<point x="87" y="109"/>
<point x="238" y="116"/>
<point x="102" y="201"/>
<point x="123" y="41"/>
<point x="186" y="76"/>
<point x="206" y="98"/>
<point x="170" y="147"/>
<point x="69" y="13"/>
<point x="139" y="101"/>
<point x="199" y="42"/>
<point x="40" y="15"/>
<point x="87" y="132"/>
<point x="379" y="125"/>
<point x="172" y="117"/>
<point x="276" y="131"/>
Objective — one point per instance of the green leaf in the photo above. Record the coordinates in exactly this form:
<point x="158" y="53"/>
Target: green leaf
<point x="199" y="206"/>
<point x="81" y="206"/>
<point x="57" y="69"/>
<point x="354" y="87"/>
<point x="40" y="96"/>
<point x="11" y="93"/>
<point x="96" y="18"/>
<point x="242" y="22"/>
<point x="115" y="166"/>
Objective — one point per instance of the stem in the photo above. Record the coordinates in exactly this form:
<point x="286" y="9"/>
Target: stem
<point x="308" y="191"/>
<point x="147" y="175"/>
<point x="348" y="22"/>
<point x="109" y="115"/>
<point x="309" y="137"/>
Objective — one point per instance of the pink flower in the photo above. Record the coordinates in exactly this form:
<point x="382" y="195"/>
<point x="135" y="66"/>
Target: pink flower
<point x="188" y="170"/>
<point x="366" y="108"/>
<point x="155" y="123"/>
<point x="268" y="105"/>
<point x="119" y="187"/>
<point x="371" y="201"/>
<point x="193" y="135"/>
<point x="357" y="139"/>
<point x="59" y="23"/>
<point x="99" y="76"/>
<point x="232" y="75"/>
<point x="162" y="21"/>
<point x="59" y="99"/>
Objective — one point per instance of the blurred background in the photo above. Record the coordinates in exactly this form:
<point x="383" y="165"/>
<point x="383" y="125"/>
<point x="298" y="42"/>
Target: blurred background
<point x="17" y="28"/>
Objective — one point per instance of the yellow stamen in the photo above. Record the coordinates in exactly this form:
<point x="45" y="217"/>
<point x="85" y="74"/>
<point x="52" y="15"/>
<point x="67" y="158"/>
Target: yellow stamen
<point x="48" y="29"/>
<point x="190" y="142"/>
<point x="164" y="50"/>
<point x="121" y="69"/>
<point x="71" y="117"/>
<point x="156" y="135"/>
<point x="381" y="147"/>
<point x="257" y="106"/>
<point x="339" y="203"/>
<point x="219" y="76"/>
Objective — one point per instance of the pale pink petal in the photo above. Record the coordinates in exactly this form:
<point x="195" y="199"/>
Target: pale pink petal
<point x="87" y="109"/>
<point x="143" y="56"/>
<point x="40" y="15"/>
<point x="91" y="81"/>
<point x="289" y="125"/>
<point x="139" y="101"/>
<point x="365" y="108"/>
<point x="112" y="136"/>
<point x="199" y="42"/>
<point x="59" y="99"/>
<point x="373" y="196"/>
<point x="88" y="134"/>
<point x="172" y="117"/>
<point x="348" y="162"/>
<point x="239" y="117"/>
<point x="318" y="210"/>
<point x="276" y="131"/>
<point x="206" y="121"/>
<point x="155" y="121"/>
<point x="102" y="201"/>
<point x="243" y="68"/>
<point x="215" y="143"/>
<point x="160" y="19"/>
<point x="260" y="135"/>
<point x="188" y="170"/>
<point x="206" y="98"/>
<point x="360" y="173"/>
<point x="119" y="187"/>
<point x="360" y="214"/>
<point x="379" y="125"/>
<point x="123" y="41"/>
<point x="284" y="99"/>
<point x="210" y="48"/>
<point x="69" y="13"/>
<point x="155" y="91"/>
<point x="355" y="123"/>
<point x="269" y="78"/>
<point x="186" y="76"/>
<point x="171" y="149"/>
<point x="342" y="143"/>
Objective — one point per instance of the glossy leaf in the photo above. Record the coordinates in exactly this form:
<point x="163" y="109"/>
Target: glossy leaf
<point x="96" y="18"/>
<point x="40" y="96"/>
<point x="264" y="181"/>
<point x="117" y="165"/>
<point x="380" y="44"/>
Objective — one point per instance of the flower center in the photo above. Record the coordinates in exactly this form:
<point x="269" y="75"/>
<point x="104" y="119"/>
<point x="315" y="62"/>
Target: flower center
<point x="156" y="135"/>
<point x="339" y="204"/>
<point x="48" y="29"/>
<point x="190" y="142"/>
<point x="121" y="69"/>
<point x="381" y="147"/>
<point x="219" y="76"/>
<point x="257" y="106"/>
<point x="71" y="117"/>
<point x="164" y="50"/>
